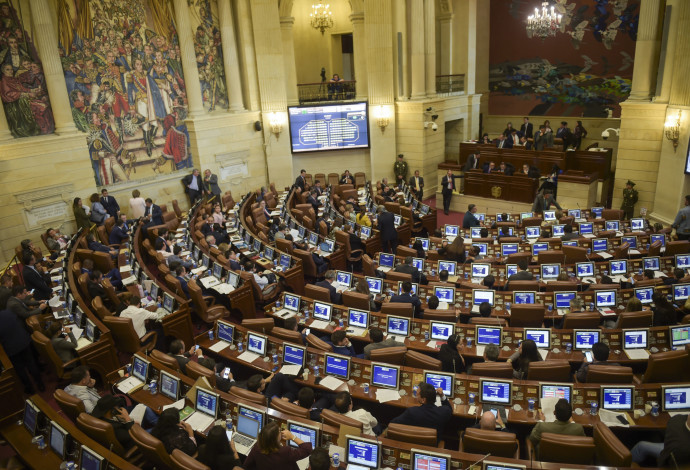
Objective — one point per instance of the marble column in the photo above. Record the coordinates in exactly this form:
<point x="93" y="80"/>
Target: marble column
<point x="247" y="52"/>
<point x="46" y="43"/>
<point x="446" y="52"/>
<point x="286" y="27"/>
<point x="646" y="52"/>
<point x="417" y="57"/>
<point x="680" y="89"/>
<point x="5" y="133"/>
<point x="191" y="72"/>
<point x="230" y="62"/>
<point x="471" y="74"/>
<point x="430" y="46"/>
<point x="359" y="46"/>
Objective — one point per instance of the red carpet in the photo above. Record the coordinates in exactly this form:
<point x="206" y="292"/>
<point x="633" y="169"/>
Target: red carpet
<point x="453" y="218"/>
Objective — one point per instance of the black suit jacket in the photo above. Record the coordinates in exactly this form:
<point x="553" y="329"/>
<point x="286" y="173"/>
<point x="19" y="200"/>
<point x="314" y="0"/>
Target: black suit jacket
<point x="314" y="203"/>
<point x="471" y="163"/>
<point x="355" y="242"/>
<point x="386" y="226"/>
<point x="300" y="182"/>
<point x="111" y="206"/>
<point x="40" y="282"/>
<point x="156" y="214"/>
<point x="417" y="277"/>
<point x="13" y="335"/>
<point x="187" y="180"/>
<point x="519" y="276"/>
<point x="335" y="296"/>
<point x="445" y="182"/>
<point x="428" y="415"/>
<point x="527" y="130"/>
<point x="118" y="235"/>
<point x="412" y="183"/>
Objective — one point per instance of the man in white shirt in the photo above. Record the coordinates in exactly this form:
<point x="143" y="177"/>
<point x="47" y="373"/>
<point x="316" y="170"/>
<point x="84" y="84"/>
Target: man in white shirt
<point x="82" y="387"/>
<point x="261" y="280"/>
<point x="138" y="315"/>
<point x="343" y="404"/>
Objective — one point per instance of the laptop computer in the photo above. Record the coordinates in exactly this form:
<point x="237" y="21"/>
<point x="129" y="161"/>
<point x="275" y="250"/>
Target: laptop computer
<point x="249" y="424"/>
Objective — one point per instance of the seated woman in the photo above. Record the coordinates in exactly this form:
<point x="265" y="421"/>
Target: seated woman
<point x="268" y="452"/>
<point x="451" y="360"/>
<point x="218" y="453"/>
<point x="63" y="341"/>
<point x="173" y="433"/>
<point x="363" y="288"/>
<point x="521" y="359"/>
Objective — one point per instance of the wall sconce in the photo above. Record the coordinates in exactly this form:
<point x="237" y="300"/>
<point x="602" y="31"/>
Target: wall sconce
<point x="276" y="123"/>
<point x="382" y="118"/>
<point x="672" y="130"/>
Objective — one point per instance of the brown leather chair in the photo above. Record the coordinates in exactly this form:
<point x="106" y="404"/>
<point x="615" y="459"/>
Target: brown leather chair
<point x="413" y="434"/>
<point x="581" y="320"/>
<point x="174" y="284"/>
<point x="558" y="286"/>
<point x="317" y="293"/>
<point x="316" y="342"/>
<point x="396" y="276"/>
<point x="166" y="360"/>
<point x="355" y="300"/>
<point x="126" y="338"/>
<point x="677" y="247"/>
<point x="397" y="309"/>
<point x="178" y="211"/>
<point x="253" y="397"/>
<point x="497" y="370"/>
<point x="205" y="305"/>
<point x="333" y="179"/>
<point x="610" y="451"/>
<point x="604" y="374"/>
<point x="182" y="461"/>
<point x="284" y="245"/>
<point x="654" y="249"/>
<point x="360" y="179"/>
<point x="527" y="315"/>
<point x="46" y="350"/>
<point x="612" y="214"/>
<point x="194" y="370"/>
<point x="103" y="433"/>
<point x="531" y="222"/>
<point x="574" y="254"/>
<point x="262" y="296"/>
<point x="288" y="408"/>
<point x="440" y="315"/>
<point x="289" y="336"/>
<point x="558" y="371"/>
<point x="560" y="448"/>
<point x="69" y="404"/>
<point x="353" y="257"/>
<point x="420" y="360"/>
<point x="488" y="321"/>
<point x="392" y="355"/>
<point x="368" y="266"/>
<point x="622" y="251"/>
<point x="405" y="251"/>
<point x="515" y="257"/>
<point x="642" y="319"/>
<point x="667" y="367"/>
<point x="335" y="419"/>
<point x="260" y="325"/>
<point x="99" y="309"/>
<point x="496" y="443"/>
<point x="551" y="256"/>
<point x="152" y="448"/>
<point x="308" y="264"/>
<point x="523" y="286"/>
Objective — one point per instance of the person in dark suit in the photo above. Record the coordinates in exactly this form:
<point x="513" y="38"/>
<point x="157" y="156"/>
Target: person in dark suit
<point x="118" y="234"/>
<point x="407" y="268"/>
<point x="35" y="279"/>
<point x="63" y="341"/>
<point x="22" y="306"/>
<point x="301" y="180"/>
<point x="16" y="342"/>
<point x="177" y="350"/>
<point x="153" y="215"/>
<point x="318" y="188"/>
<point x="347" y="178"/>
<point x="180" y="273"/>
<point x="328" y="284"/>
<point x="600" y="351"/>
<point x="543" y="139"/>
<point x="543" y="202"/>
<point x="521" y="275"/>
<point x="110" y="204"/>
<point x="470" y="220"/>
<point x="417" y="185"/>
<point x="565" y="134"/>
<point x="193" y="186"/>
<point x="568" y="233"/>
<point x="311" y="199"/>
<point x="355" y="241"/>
<point x="674" y="452"/>
<point x="211" y="185"/>
<point x="504" y="142"/>
<point x="427" y="414"/>
<point x="447" y="188"/>
<point x="408" y="298"/>
<point x="387" y="231"/>
<point x="472" y="162"/>
<point x="526" y="129"/>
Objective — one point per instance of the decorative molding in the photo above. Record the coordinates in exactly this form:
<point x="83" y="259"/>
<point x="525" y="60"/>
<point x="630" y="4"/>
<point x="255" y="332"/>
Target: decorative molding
<point x="46" y="206"/>
<point x="27" y="198"/>
<point x="233" y="166"/>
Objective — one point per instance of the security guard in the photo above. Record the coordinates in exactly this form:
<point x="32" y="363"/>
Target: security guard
<point x="629" y="200"/>
<point x="400" y="169"/>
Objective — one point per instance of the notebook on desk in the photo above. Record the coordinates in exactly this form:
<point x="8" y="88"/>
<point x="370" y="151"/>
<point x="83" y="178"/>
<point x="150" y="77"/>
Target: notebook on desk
<point x="319" y="324"/>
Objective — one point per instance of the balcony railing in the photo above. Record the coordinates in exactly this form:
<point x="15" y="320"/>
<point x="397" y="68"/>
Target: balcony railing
<point x="450" y="84"/>
<point x="326" y="91"/>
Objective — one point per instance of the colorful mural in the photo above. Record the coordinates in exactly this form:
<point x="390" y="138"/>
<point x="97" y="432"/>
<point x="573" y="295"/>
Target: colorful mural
<point x="585" y="70"/>
<point x="124" y="78"/>
<point x="209" y="53"/>
<point x="22" y="84"/>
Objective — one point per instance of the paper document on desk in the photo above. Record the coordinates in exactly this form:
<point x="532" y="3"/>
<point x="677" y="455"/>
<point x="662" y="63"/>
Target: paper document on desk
<point x="55" y="302"/>
<point x="130" y="281"/>
<point x="129" y="384"/>
<point x="56" y="271"/>
<point x="658" y="274"/>
<point x="442" y="306"/>
<point x="383" y="395"/>
<point x="290" y="369"/>
<point x="178" y="405"/>
<point x="480" y="350"/>
<point x="209" y="281"/>
<point x="137" y="414"/>
<point x="548" y="406"/>
<point x="248" y="356"/>
<point x="331" y="383"/>
<point x="219" y="346"/>
<point x="633" y="251"/>
<point x="604" y="254"/>
<point x="432" y="344"/>
<point x="609" y="418"/>
<point x="125" y="269"/>
<point x="199" y="270"/>
<point x="588" y="235"/>
<point x="76" y="331"/>
<point x="319" y="324"/>
<point x="618" y="278"/>
<point x="223" y="289"/>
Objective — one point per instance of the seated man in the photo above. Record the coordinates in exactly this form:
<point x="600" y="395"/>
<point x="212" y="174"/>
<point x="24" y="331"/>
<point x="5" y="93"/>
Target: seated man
<point x="177" y="350"/>
<point x="112" y="410"/>
<point x="341" y="345"/>
<point x="343" y="405"/>
<point x="319" y="459"/>
<point x="407" y="298"/>
<point x="489" y="422"/>
<point x="306" y="399"/>
<point x="600" y="351"/>
<point x="138" y="315"/>
<point x="275" y="385"/>
<point x="113" y="276"/>
<point x="22" y="305"/>
<point x="407" y="268"/>
<point x="180" y="273"/>
<point x="443" y="275"/>
<point x="427" y="414"/>
<point x="176" y="260"/>
<point x="55" y="240"/>
<point x="562" y="425"/>
<point x="118" y="234"/>
<point x="82" y="386"/>
<point x="96" y="246"/>
<point x="327" y="283"/>
<point x="674" y="452"/>
<point x="432" y="304"/>
<point x="377" y="341"/>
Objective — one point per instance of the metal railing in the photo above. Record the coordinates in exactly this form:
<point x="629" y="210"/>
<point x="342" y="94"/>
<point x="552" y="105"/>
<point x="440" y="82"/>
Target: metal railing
<point x="450" y="84"/>
<point x="326" y="91"/>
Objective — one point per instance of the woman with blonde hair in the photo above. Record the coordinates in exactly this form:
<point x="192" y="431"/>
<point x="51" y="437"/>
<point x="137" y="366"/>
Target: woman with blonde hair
<point x="137" y="205"/>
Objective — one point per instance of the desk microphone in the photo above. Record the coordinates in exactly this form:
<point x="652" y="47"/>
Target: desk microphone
<point x="478" y="461"/>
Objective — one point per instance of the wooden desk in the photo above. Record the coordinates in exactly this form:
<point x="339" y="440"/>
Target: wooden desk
<point x="516" y="188"/>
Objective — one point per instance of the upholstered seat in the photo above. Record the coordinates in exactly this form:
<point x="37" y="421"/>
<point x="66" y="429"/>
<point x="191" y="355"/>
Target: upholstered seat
<point x="496" y="443"/>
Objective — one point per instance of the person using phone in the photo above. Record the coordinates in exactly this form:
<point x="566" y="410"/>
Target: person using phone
<point x="600" y="351"/>
<point x="219" y="451"/>
<point x="269" y="452"/>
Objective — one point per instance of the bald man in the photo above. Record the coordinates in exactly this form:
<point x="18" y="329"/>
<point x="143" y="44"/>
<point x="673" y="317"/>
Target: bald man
<point x="489" y="422"/>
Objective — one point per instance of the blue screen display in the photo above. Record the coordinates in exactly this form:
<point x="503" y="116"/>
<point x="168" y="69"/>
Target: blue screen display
<point x="681" y="291"/>
<point x="441" y="331"/>
<point x="558" y="230"/>
<point x="586" y="339"/>
<point x="537" y="247"/>
<point x="541" y="337"/>
<point x="676" y="398"/>
<point x="508" y="248"/>
<point x="451" y="230"/>
<point x="398" y="326"/>
<point x="532" y="232"/>
<point x="418" y="263"/>
<point x="445" y="294"/>
<point x="644" y="294"/>
<point x="600" y="244"/>
<point x="480" y="270"/>
<point x="495" y="392"/>
<point x="483" y="248"/>
<point x="511" y="269"/>
<point x="292" y="302"/>
<point x="619" y="267"/>
<point x="617" y="399"/>
<point x="438" y="380"/>
<point x="225" y="331"/>
<point x="651" y="263"/>
<point x="256" y="344"/>
<point x="140" y="368"/>
<point x="206" y="402"/>
<point x="362" y="453"/>
<point x="486" y="335"/>
<point x="563" y="299"/>
<point x="322" y="311"/>
<point x="586" y="227"/>
<point x="328" y="127"/>
<point x="293" y="355"/>
<point x="476" y="232"/>
<point x="555" y="391"/>
<point x="338" y="366"/>
<point x="375" y="284"/>
<point x="384" y="376"/>
<point x="585" y="269"/>
<point x="89" y="460"/>
<point x="612" y="225"/>
<point x="524" y="297"/>
<point x="550" y="271"/>
<point x="358" y="318"/>
<point x="344" y="278"/>
<point x="386" y="259"/>
<point x="605" y="298"/>
<point x="448" y="266"/>
<point x="636" y="339"/>
<point x="304" y="433"/>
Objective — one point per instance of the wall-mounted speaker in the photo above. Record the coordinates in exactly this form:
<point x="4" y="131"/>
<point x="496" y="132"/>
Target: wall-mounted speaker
<point x="257" y="126"/>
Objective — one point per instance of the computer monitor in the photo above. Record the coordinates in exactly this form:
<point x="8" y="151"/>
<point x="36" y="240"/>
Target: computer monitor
<point x="443" y="380"/>
<point x="323" y="311"/>
<point x="681" y="292"/>
<point x="415" y="287"/>
<point x="524" y="297"/>
<point x="489" y="335"/>
<point x="644" y="294"/>
<point x="233" y="279"/>
<point x="480" y="270"/>
<point x="226" y="331"/>
<point x="618" y="267"/>
<point x="206" y="261"/>
<point x="154" y="291"/>
<point x="635" y="339"/>
<point x="358" y="318"/>
<point x="586" y="228"/>
<point x="196" y="252"/>
<point x="549" y="216"/>
<point x="511" y="269"/>
<point x="488" y="465"/>
<point x="170" y="385"/>
<point x="675" y="397"/>
<point x="495" y="392"/>
<point x="385" y="375"/>
<point x="303" y="432"/>
<point x="605" y="298"/>
<point x="90" y="330"/>
<point x="386" y="260"/>
<point x="90" y="460"/>
<point x="292" y="302"/>
<point x="302" y="231"/>
<point x="445" y="294"/>
<point x="508" y="248"/>
<point x="268" y="253"/>
<point x="451" y="231"/>
<point x="217" y="270"/>
<point x="637" y="225"/>
<point x="424" y="242"/>
<point x="658" y="237"/>
<point x="541" y="336"/>
<point x="313" y="238"/>
<point x="58" y="439"/>
<point x="550" y="271"/>
<point x="651" y="262"/>
<point x="250" y="420"/>
<point x="480" y="216"/>
<point x="257" y="343"/>
<point x="343" y="278"/>
<point x="168" y="302"/>
<point x="617" y="398"/>
<point x="338" y="366"/>
<point x="483" y="248"/>
<point x="285" y="260"/>
<point x="554" y="390"/>
<point x="30" y="418"/>
<point x="537" y="247"/>
<point x="585" y="339"/>
<point x="440" y="331"/>
<point x="140" y="368"/>
<point x="327" y="245"/>
<point x="424" y="209"/>
<point x="397" y="326"/>
<point x="584" y="269"/>
<point x="526" y="215"/>
<point x="206" y="402"/>
<point x="396" y="219"/>
<point x="475" y="232"/>
<point x="599" y="244"/>
<point x="632" y="241"/>
<point x="449" y="266"/>
<point x="683" y="261"/>
<point x="70" y="302"/>
<point x="480" y="296"/>
<point x="78" y="316"/>
<point x="574" y="213"/>
<point x="597" y="211"/>
<point x="425" y="460"/>
<point x="558" y="230"/>
<point x="418" y="263"/>
<point x="612" y="225"/>
<point x="532" y="232"/>
<point x="293" y="354"/>
<point x="375" y="284"/>
<point x="362" y="452"/>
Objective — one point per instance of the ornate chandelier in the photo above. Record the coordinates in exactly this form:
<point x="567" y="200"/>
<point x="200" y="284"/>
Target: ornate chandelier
<point x="321" y="17"/>
<point x="544" y="24"/>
